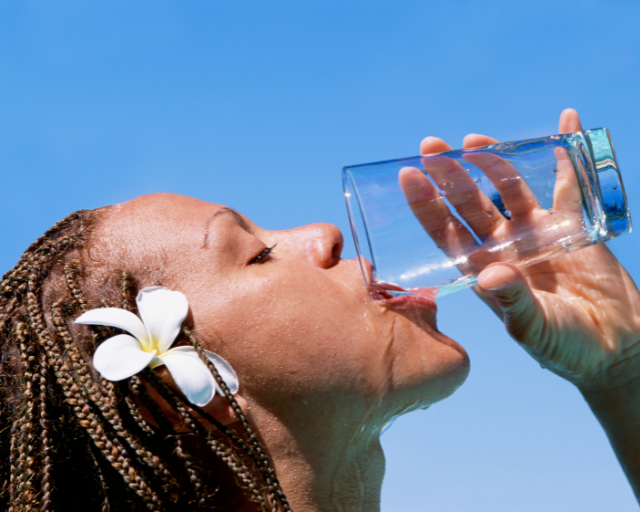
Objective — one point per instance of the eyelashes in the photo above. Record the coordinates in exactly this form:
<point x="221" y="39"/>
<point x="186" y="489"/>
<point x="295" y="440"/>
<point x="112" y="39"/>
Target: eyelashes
<point x="263" y="256"/>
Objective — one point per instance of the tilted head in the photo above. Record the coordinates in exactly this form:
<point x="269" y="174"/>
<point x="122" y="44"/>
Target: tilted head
<point x="317" y="358"/>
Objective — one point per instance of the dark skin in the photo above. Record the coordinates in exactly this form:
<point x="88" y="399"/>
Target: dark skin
<point x="578" y="315"/>
<point x="324" y="367"/>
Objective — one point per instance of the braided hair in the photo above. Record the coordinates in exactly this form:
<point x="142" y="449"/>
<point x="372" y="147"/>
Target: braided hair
<point x="69" y="439"/>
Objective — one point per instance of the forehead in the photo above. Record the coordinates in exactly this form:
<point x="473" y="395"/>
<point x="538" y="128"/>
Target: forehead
<point x="156" y="220"/>
<point x="169" y="234"/>
<point x="156" y="212"/>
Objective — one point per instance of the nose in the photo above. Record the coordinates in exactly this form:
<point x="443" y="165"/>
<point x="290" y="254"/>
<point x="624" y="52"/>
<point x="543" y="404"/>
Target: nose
<point x="320" y="244"/>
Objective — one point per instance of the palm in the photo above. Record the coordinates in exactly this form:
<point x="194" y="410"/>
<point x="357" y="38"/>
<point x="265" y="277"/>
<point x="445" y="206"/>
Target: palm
<point x="587" y="326"/>
<point x="577" y="314"/>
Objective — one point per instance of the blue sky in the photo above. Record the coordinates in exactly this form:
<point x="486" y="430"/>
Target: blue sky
<point x="258" y="105"/>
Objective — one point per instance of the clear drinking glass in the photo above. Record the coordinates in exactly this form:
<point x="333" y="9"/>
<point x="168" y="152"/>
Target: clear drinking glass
<point x="437" y="221"/>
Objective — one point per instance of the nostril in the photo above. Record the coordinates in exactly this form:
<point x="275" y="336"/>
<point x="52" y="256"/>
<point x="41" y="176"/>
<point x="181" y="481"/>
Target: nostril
<point x="336" y="251"/>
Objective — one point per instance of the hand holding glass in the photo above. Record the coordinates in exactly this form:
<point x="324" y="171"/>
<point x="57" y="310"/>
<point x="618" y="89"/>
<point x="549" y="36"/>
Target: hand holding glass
<point x="437" y="221"/>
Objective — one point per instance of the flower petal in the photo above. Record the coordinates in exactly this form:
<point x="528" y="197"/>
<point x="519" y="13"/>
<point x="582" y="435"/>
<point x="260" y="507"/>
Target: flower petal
<point x="162" y="311"/>
<point x="115" y="317"/>
<point x="120" y="357"/>
<point x="191" y="375"/>
<point x="224" y="368"/>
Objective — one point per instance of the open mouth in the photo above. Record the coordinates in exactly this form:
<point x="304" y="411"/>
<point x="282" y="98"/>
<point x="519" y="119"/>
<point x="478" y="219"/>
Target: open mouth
<point x="394" y="295"/>
<point x="378" y="293"/>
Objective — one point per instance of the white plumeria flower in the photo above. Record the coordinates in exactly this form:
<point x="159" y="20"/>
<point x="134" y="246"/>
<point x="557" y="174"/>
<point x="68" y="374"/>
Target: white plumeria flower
<point x="162" y="312"/>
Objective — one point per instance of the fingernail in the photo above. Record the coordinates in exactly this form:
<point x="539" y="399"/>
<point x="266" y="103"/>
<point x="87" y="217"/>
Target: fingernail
<point x="490" y="275"/>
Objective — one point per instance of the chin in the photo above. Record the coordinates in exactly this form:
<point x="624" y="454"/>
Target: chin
<point x="433" y="375"/>
<point x="454" y="372"/>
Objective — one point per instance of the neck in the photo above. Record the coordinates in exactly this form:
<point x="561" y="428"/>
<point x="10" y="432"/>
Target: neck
<point x="323" y="467"/>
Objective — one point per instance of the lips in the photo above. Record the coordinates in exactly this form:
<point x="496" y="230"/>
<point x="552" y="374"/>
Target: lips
<point x="421" y="297"/>
<point x="381" y="292"/>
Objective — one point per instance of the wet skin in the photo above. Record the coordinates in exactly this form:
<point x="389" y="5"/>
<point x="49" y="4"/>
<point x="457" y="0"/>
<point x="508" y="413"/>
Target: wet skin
<point x="322" y="365"/>
<point x="295" y="319"/>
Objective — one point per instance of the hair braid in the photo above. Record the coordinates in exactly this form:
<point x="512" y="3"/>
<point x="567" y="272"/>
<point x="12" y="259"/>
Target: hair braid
<point x="109" y="445"/>
<point x="235" y="463"/>
<point x="105" y="398"/>
<point x="125" y="288"/>
<point x="47" y="240"/>
<point x="45" y="438"/>
<point x="168" y="394"/>
<point x="230" y="456"/>
<point x="6" y="311"/>
<point x="71" y="271"/>
<point x="22" y="474"/>
<point x="262" y="461"/>
<point x="105" y="395"/>
<point x="188" y="462"/>
<point x="137" y="417"/>
<point x="61" y="423"/>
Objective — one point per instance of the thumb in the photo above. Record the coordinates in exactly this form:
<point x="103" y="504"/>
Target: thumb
<point x="521" y="310"/>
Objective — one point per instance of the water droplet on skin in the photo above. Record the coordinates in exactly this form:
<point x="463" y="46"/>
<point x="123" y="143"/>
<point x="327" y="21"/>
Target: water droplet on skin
<point x="459" y="226"/>
<point x="451" y="185"/>
<point x="578" y="202"/>
<point x="552" y="211"/>
<point x="488" y="214"/>
<point x="567" y="244"/>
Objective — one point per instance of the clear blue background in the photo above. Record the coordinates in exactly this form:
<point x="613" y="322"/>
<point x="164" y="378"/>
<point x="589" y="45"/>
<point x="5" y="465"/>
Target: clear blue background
<point x="259" y="104"/>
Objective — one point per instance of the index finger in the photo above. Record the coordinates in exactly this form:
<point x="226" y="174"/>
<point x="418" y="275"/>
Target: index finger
<point x="569" y="121"/>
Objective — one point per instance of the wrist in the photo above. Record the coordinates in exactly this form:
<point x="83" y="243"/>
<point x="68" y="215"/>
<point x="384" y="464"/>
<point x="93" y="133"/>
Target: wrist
<point x="619" y="380"/>
<point x="615" y="403"/>
<point x="618" y="411"/>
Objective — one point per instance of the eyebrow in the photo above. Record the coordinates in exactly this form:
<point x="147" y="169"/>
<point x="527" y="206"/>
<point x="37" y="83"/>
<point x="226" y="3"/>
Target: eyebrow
<point x="237" y="218"/>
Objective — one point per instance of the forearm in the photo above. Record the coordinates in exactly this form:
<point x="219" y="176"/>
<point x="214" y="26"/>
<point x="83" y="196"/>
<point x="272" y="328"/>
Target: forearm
<point x="618" y="411"/>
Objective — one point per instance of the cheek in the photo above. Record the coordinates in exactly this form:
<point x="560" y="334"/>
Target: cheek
<point x="299" y="334"/>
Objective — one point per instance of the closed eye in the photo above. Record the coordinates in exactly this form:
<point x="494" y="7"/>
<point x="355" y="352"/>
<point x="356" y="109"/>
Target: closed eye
<point x="263" y="256"/>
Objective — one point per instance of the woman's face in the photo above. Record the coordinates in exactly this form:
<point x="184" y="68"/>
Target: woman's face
<point x="295" y="320"/>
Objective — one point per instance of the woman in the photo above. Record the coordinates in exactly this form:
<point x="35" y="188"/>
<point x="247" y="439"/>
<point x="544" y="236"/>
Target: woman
<point x="322" y="366"/>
